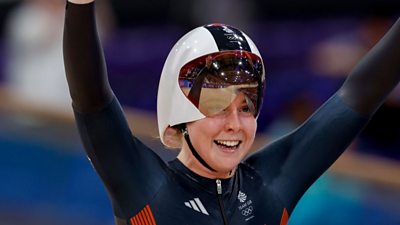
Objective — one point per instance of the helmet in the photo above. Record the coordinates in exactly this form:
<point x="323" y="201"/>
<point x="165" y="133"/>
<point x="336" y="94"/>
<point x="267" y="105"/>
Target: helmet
<point x="211" y="60"/>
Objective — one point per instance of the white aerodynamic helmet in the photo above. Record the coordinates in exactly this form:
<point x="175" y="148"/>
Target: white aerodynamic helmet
<point x="204" y="72"/>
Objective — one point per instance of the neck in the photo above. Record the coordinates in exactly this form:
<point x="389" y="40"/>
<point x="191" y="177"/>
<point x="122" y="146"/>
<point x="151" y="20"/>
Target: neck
<point x="194" y="165"/>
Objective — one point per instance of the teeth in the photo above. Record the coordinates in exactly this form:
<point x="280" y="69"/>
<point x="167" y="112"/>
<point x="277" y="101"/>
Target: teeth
<point x="228" y="143"/>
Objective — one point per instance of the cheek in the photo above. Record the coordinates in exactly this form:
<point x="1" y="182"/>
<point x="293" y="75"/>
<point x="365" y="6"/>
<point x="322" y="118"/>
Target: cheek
<point x="211" y="126"/>
<point x="250" y="127"/>
<point x="203" y="131"/>
<point x="212" y="130"/>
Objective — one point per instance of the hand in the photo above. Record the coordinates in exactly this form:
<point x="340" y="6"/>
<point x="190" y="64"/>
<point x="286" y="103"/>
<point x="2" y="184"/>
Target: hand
<point x="81" y="1"/>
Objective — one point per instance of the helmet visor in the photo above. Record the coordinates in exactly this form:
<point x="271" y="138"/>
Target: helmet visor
<point x="212" y="82"/>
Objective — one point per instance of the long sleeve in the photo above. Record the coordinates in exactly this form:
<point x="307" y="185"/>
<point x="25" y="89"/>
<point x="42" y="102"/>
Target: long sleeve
<point x="291" y="164"/>
<point x="375" y="76"/>
<point x="84" y="61"/>
<point x="121" y="160"/>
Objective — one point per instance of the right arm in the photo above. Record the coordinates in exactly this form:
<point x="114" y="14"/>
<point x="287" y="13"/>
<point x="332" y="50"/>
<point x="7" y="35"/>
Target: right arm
<point x="83" y="58"/>
<point x="121" y="160"/>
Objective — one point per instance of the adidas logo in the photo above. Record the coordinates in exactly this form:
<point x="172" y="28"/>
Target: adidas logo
<point x="197" y="206"/>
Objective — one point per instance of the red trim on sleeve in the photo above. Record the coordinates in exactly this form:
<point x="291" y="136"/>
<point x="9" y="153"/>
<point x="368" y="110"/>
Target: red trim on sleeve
<point x="285" y="217"/>
<point x="144" y="217"/>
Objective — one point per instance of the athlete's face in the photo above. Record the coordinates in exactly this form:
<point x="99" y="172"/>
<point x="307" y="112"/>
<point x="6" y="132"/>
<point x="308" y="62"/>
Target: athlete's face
<point x="222" y="140"/>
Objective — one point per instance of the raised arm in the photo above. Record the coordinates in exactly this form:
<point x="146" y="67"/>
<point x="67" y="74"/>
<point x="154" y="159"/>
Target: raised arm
<point x="375" y="76"/>
<point x="131" y="172"/>
<point x="83" y="58"/>
<point x="292" y="164"/>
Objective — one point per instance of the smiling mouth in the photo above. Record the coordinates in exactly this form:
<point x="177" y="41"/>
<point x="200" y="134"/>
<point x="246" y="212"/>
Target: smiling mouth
<point x="228" y="144"/>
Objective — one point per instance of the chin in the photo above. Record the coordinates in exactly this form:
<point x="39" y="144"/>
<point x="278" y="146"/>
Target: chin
<point x="228" y="167"/>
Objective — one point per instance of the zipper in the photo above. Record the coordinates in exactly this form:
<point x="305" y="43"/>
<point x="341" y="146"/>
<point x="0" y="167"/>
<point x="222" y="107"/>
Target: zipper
<point x="221" y="204"/>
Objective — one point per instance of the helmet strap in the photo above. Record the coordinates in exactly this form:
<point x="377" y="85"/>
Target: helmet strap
<point x="194" y="152"/>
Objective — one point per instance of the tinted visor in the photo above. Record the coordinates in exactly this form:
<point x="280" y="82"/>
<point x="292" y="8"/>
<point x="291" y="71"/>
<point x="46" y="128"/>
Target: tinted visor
<point x="212" y="82"/>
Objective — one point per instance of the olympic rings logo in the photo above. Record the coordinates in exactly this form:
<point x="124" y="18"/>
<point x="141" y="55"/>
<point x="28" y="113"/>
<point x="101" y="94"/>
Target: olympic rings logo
<point x="247" y="211"/>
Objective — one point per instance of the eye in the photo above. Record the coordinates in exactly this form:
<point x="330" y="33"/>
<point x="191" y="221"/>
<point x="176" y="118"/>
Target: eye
<point x="210" y="107"/>
<point x="245" y="109"/>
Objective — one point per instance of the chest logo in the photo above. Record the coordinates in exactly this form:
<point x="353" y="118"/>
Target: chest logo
<point x="242" y="197"/>
<point x="246" y="206"/>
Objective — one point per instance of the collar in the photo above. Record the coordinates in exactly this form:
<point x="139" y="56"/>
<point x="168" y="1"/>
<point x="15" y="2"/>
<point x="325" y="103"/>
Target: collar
<point x="229" y="185"/>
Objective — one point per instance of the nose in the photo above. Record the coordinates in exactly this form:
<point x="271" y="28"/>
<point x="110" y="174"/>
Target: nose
<point x="232" y="121"/>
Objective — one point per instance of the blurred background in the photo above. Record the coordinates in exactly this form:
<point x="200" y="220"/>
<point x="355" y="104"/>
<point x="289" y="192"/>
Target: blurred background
<point x="308" y="46"/>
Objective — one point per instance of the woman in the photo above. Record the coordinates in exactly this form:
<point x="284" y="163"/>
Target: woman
<point x="209" y="97"/>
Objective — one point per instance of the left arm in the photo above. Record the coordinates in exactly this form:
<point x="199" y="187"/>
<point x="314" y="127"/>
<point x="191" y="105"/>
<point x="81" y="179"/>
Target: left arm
<point x="375" y="76"/>
<point x="291" y="164"/>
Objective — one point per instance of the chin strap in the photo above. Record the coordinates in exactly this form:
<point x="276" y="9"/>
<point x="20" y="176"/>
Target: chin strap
<point x="194" y="152"/>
